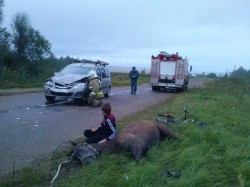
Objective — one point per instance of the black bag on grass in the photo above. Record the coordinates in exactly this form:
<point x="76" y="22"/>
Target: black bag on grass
<point x="85" y="153"/>
<point x="82" y="152"/>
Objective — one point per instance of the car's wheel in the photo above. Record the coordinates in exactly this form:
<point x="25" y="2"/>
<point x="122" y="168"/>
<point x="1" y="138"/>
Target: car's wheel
<point x="156" y="88"/>
<point x="50" y="98"/>
<point x="107" y="94"/>
<point x="79" y="100"/>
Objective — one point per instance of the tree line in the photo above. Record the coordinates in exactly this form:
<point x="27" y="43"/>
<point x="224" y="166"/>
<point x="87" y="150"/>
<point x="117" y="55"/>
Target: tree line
<point x="25" y="54"/>
<point x="26" y="59"/>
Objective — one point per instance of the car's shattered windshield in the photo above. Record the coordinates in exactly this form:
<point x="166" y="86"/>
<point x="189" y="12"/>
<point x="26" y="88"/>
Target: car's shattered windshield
<point x="76" y="70"/>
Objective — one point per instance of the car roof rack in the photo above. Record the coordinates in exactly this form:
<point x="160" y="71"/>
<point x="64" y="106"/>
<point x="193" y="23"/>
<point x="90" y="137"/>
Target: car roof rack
<point x="102" y="63"/>
<point x="98" y="62"/>
<point x="164" y="52"/>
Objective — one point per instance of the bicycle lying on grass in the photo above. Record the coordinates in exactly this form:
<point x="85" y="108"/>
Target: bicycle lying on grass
<point x="169" y="119"/>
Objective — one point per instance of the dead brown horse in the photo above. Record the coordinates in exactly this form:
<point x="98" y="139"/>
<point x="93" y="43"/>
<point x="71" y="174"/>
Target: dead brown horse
<point x="136" y="138"/>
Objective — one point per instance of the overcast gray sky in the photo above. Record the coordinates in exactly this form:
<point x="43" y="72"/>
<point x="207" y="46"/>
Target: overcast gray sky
<point x="214" y="35"/>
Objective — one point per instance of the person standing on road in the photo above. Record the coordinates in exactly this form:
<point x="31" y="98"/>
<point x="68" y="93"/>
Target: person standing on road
<point x="96" y="93"/>
<point x="107" y="130"/>
<point x="133" y="74"/>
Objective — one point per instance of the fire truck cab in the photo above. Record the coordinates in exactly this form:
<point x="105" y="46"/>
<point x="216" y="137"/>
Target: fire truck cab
<point x="170" y="72"/>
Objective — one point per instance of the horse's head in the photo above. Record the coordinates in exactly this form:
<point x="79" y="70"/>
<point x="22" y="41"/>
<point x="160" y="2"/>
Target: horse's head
<point x="109" y="146"/>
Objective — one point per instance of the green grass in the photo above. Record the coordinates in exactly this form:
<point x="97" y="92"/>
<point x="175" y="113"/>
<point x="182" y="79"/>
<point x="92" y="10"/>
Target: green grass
<point x="11" y="79"/>
<point x="215" y="155"/>
<point x="122" y="79"/>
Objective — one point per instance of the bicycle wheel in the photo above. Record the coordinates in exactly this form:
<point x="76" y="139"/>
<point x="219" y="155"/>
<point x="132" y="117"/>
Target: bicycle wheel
<point x="163" y="120"/>
<point x="201" y="123"/>
<point x="167" y="121"/>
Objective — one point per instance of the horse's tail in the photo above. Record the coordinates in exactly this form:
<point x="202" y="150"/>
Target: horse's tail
<point x="165" y="131"/>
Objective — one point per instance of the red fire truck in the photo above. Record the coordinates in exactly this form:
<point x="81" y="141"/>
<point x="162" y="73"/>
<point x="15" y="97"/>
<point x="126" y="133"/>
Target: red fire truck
<point x="169" y="71"/>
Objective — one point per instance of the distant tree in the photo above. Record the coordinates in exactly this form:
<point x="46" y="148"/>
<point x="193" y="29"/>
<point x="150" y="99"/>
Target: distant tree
<point x="240" y="73"/>
<point x="211" y="75"/>
<point x="65" y="60"/>
<point x="143" y="72"/>
<point x="29" y="45"/>
<point x="1" y="10"/>
<point x="20" y="29"/>
<point x="226" y="76"/>
<point x="4" y="40"/>
<point x="4" y="46"/>
<point x="38" y="47"/>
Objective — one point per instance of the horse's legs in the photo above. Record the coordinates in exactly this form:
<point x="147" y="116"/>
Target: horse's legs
<point x="136" y="151"/>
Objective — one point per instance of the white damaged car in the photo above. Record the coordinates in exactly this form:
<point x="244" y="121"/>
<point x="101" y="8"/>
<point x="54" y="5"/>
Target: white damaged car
<point x="72" y="81"/>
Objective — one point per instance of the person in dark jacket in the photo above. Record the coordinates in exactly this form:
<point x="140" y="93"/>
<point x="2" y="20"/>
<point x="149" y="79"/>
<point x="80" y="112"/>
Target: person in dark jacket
<point x="107" y="130"/>
<point x="133" y="74"/>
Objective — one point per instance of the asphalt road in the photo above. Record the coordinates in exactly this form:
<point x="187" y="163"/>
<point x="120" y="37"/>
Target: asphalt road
<point x="30" y="127"/>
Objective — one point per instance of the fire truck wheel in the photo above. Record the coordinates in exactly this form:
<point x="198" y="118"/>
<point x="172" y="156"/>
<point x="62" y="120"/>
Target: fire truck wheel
<point x="182" y="89"/>
<point x="156" y="88"/>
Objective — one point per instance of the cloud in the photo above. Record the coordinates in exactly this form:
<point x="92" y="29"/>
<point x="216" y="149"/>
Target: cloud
<point x="129" y="32"/>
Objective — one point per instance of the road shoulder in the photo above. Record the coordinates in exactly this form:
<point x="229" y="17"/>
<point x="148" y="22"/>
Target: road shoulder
<point x="17" y="91"/>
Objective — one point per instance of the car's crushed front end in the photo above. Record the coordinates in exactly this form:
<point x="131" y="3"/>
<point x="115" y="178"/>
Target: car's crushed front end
<point x="75" y="90"/>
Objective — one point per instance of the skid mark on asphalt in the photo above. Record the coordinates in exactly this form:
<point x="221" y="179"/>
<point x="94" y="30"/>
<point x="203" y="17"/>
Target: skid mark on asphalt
<point x="57" y="103"/>
<point x="69" y="101"/>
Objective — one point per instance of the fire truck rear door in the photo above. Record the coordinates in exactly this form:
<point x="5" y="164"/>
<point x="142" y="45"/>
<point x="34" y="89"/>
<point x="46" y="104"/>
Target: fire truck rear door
<point x="180" y="72"/>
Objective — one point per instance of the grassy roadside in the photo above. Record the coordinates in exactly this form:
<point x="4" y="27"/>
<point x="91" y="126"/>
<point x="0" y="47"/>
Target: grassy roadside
<point x="215" y="155"/>
<point x="118" y="79"/>
<point x="122" y="79"/>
